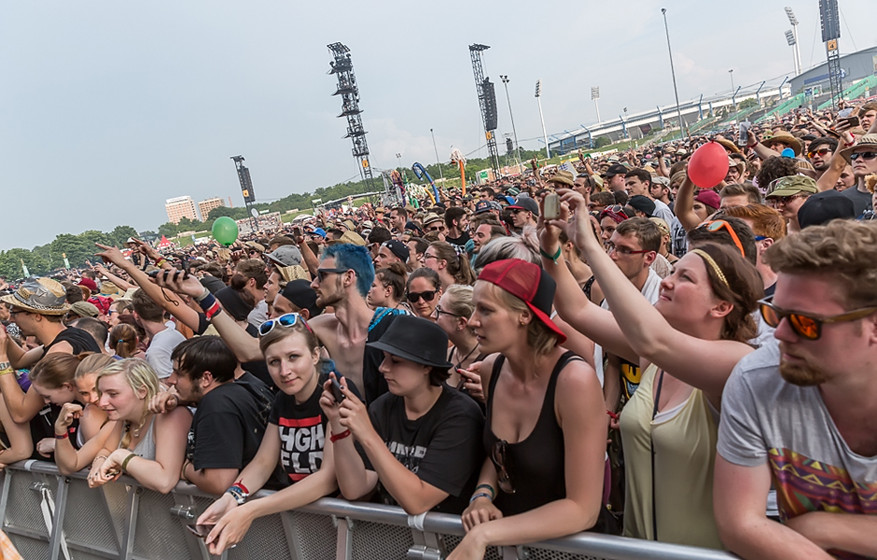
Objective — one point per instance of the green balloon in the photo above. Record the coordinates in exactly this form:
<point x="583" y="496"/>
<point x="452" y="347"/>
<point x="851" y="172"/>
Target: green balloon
<point x="225" y="230"/>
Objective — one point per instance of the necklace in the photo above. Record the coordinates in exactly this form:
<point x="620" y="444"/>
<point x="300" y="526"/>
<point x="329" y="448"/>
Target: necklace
<point x="466" y="357"/>
<point x="136" y="431"/>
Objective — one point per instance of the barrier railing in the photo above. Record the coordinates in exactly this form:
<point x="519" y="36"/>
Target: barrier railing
<point x="55" y="517"/>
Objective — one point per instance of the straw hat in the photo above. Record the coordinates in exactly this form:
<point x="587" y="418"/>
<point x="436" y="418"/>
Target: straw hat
<point x="42" y="296"/>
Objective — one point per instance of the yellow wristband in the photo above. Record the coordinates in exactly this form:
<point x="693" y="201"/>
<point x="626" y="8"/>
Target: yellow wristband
<point x="6" y="371"/>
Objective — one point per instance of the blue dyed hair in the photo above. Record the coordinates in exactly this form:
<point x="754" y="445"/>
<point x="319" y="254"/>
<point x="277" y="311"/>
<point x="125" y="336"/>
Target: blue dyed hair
<point x="357" y="259"/>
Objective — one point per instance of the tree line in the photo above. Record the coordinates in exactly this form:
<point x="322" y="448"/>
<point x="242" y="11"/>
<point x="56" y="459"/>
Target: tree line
<point x="79" y="248"/>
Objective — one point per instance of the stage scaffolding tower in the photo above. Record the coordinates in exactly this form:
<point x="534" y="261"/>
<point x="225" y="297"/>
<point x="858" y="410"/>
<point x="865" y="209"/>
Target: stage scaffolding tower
<point x="342" y="67"/>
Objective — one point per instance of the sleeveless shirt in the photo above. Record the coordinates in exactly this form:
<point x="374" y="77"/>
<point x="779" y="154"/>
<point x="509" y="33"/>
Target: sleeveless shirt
<point x="685" y="449"/>
<point x="536" y="464"/>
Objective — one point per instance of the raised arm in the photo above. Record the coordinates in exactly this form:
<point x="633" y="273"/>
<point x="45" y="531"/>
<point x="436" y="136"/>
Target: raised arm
<point x="121" y="283"/>
<point x="169" y="301"/>
<point x="705" y="364"/>
<point x="684" y="207"/>
<point x="570" y="301"/>
<point x="244" y="346"/>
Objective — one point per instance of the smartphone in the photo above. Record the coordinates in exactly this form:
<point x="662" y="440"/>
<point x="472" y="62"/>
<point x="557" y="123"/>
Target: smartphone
<point x="550" y="207"/>
<point x="743" y="134"/>
<point x="337" y="392"/>
<point x="853" y="121"/>
<point x="200" y="531"/>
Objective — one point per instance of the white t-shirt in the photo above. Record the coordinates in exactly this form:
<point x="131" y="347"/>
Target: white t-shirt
<point x="159" y="352"/>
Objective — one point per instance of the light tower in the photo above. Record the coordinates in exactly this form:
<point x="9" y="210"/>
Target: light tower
<point x="542" y="117"/>
<point x="792" y="38"/>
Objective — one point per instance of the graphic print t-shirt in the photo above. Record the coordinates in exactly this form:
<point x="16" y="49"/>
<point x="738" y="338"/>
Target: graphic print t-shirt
<point x="767" y="420"/>
<point x="442" y="447"/>
<point x="302" y="428"/>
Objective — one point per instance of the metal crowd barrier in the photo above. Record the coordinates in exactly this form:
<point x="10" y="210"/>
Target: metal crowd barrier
<point x="55" y="517"/>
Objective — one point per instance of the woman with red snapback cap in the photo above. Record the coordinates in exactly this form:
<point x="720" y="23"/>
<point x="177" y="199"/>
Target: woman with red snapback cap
<point x="545" y="433"/>
<point x="686" y="345"/>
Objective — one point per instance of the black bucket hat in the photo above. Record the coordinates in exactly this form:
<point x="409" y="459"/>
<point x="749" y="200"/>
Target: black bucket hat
<point x="415" y="339"/>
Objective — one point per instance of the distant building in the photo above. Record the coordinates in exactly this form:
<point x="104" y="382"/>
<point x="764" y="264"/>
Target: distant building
<point x="179" y="208"/>
<point x="854" y="67"/>
<point x="205" y="206"/>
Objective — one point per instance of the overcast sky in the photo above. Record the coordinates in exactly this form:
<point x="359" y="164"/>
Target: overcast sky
<point x="109" y="108"/>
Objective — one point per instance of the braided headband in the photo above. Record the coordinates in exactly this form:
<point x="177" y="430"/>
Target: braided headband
<point x="709" y="260"/>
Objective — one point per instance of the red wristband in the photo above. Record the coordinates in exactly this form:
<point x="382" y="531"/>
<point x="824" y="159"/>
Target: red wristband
<point x="65" y="436"/>
<point x="335" y="437"/>
<point x="240" y="485"/>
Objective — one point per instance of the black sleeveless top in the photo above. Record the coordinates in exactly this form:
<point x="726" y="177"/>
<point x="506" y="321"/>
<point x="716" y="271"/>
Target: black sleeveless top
<point x="536" y="464"/>
<point x="80" y="340"/>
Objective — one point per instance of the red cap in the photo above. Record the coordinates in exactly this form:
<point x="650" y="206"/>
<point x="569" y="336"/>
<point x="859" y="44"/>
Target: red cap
<point x="528" y="282"/>
<point x="88" y="283"/>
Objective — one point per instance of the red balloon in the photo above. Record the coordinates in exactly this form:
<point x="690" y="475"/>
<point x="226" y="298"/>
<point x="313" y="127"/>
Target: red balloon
<point x="708" y="165"/>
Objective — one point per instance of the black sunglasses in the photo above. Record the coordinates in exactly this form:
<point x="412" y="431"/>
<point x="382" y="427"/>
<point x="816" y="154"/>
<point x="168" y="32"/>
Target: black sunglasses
<point x="427" y="296"/>
<point x="323" y="272"/>
<point x="867" y="156"/>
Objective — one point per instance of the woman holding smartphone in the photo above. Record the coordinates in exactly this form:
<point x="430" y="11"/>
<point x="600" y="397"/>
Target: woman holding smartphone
<point x="416" y="442"/>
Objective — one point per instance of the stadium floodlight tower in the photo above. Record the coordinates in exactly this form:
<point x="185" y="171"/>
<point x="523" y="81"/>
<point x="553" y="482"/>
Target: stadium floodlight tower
<point x="342" y="66"/>
<point x="487" y="102"/>
<point x="792" y="38"/>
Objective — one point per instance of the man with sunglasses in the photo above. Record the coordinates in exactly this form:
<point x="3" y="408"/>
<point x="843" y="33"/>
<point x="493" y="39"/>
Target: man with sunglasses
<point x="342" y="281"/>
<point x="863" y="159"/>
<point x="524" y="211"/>
<point x="799" y="414"/>
<point x="787" y="194"/>
<point x="819" y="153"/>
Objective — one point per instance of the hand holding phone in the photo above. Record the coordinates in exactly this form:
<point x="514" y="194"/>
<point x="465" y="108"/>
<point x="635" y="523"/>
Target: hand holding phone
<point x="550" y="207"/>
<point x="337" y="391"/>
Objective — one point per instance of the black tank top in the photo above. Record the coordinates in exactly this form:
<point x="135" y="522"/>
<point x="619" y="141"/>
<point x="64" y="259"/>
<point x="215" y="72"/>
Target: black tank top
<point x="80" y="340"/>
<point x="534" y="465"/>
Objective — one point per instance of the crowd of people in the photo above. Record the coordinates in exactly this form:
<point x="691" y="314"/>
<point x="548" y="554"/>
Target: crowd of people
<point x="474" y="354"/>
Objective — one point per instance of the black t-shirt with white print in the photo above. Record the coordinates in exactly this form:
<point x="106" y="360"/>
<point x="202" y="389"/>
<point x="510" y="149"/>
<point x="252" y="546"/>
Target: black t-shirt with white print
<point x="442" y="447"/>
<point x="302" y="428"/>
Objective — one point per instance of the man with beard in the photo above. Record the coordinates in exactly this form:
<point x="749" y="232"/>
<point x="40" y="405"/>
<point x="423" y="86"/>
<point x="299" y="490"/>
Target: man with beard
<point x="800" y="413"/>
<point x="230" y="417"/>
<point x="342" y="281"/>
<point x="819" y="153"/>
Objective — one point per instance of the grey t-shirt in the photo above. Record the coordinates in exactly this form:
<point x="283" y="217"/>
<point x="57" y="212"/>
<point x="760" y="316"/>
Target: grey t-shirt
<point x="861" y="200"/>
<point x="767" y="420"/>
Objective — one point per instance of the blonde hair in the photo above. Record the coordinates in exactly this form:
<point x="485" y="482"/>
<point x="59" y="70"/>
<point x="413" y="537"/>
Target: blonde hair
<point x="139" y="375"/>
<point x="460" y="300"/>
<point x="539" y="337"/>
<point x="94" y="363"/>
